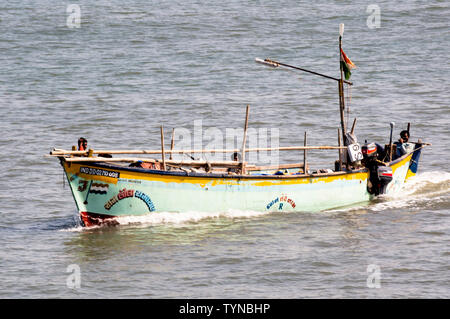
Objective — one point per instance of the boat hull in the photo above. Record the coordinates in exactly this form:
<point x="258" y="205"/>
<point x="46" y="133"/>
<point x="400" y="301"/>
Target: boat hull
<point x="103" y="192"/>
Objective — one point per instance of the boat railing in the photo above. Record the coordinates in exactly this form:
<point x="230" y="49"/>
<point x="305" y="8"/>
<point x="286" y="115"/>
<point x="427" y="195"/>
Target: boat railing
<point x="105" y="155"/>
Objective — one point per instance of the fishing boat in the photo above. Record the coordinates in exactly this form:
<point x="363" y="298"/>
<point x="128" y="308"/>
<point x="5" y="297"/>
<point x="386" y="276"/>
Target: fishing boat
<point x="106" y="184"/>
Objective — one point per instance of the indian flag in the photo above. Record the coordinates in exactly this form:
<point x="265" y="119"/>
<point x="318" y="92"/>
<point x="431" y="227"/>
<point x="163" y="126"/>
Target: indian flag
<point x="347" y="65"/>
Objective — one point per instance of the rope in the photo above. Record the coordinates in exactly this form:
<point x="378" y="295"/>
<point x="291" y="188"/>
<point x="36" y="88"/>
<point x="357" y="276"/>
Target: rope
<point x="349" y="99"/>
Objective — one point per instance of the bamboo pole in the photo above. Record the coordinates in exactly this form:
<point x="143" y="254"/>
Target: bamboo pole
<point x="274" y="167"/>
<point x="173" y="162"/>
<point x="342" y="104"/>
<point x="277" y="64"/>
<point x="340" y="150"/>
<point x="353" y="126"/>
<point x="305" y="167"/>
<point x="162" y="149"/>
<point x="392" y="124"/>
<point x="172" y="143"/>
<point x="152" y="160"/>
<point x="244" y="141"/>
<point x="154" y="152"/>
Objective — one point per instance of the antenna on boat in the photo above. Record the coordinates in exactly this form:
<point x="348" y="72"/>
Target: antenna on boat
<point x="276" y="64"/>
<point x="343" y="60"/>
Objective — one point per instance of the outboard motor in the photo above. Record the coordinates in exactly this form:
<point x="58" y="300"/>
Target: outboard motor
<point x="379" y="175"/>
<point x="369" y="150"/>
<point x="384" y="178"/>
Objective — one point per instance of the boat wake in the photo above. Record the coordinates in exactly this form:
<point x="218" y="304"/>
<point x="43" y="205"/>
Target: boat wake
<point x="174" y="218"/>
<point x="423" y="191"/>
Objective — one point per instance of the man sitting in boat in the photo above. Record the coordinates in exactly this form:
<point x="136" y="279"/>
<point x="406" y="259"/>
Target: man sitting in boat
<point x="82" y="144"/>
<point x="146" y="165"/>
<point x="235" y="157"/>
<point x="401" y="145"/>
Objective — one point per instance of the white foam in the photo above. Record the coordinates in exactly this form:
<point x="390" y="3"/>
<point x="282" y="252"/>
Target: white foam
<point x="176" y="218"/>
<point x="417" y="192"/>
<point x="428" y="181"/>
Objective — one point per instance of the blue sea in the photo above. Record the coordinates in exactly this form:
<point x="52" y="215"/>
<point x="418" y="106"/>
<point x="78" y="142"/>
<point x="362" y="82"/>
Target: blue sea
<point x="115" y="71"/>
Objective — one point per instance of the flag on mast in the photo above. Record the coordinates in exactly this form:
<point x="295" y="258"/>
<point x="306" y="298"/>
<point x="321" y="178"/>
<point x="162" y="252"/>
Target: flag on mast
<point x="347" y="65"/>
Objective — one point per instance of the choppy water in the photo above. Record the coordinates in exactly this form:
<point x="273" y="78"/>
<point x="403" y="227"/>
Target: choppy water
<point x="133" y="65"/>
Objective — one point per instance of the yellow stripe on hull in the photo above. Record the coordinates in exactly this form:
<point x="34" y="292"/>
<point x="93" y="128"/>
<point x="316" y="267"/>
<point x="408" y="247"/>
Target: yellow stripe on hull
<point x="109" y="190"/>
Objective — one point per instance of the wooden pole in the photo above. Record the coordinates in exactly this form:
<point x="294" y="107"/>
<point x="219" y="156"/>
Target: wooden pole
<point x="305" y="164"/>
<point x="162" y="149"/>
<point x="392" y="124"/>
<point x="341" y="94"/>
<point x="353" y="126"/>
<point x="153" y="160"/>
<point x="155" y="152"/>
<point x="172" y="143"/>
<point x="244" y="140"/>
<point x="340" y="150"/>
<point x="277" y="64"/>
<point x="342" y="102"/>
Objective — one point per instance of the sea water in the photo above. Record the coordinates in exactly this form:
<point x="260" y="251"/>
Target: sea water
<point x="114" y="71"/>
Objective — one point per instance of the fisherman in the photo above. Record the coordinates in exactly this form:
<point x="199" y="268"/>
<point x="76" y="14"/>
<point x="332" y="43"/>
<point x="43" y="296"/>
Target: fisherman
<point x="236" y="157"/>
<point x="400" y="144"/>
<point x="82" y="144"/>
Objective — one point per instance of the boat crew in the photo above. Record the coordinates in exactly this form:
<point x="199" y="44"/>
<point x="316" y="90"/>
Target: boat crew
<point x="82" y="144"/>
<point x="236" y="157"/>
<point x="400" y="145"/>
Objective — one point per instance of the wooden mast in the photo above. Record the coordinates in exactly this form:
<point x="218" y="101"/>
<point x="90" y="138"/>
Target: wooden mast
<point x="341" y="87"/>
<point x="341" y="95"/>
<point x="162" y="149"/>
<point x="244" y="141"/>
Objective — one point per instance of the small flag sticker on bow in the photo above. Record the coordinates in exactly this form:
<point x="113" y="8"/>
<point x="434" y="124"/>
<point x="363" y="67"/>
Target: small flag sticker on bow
<point x="99" y="188"/>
